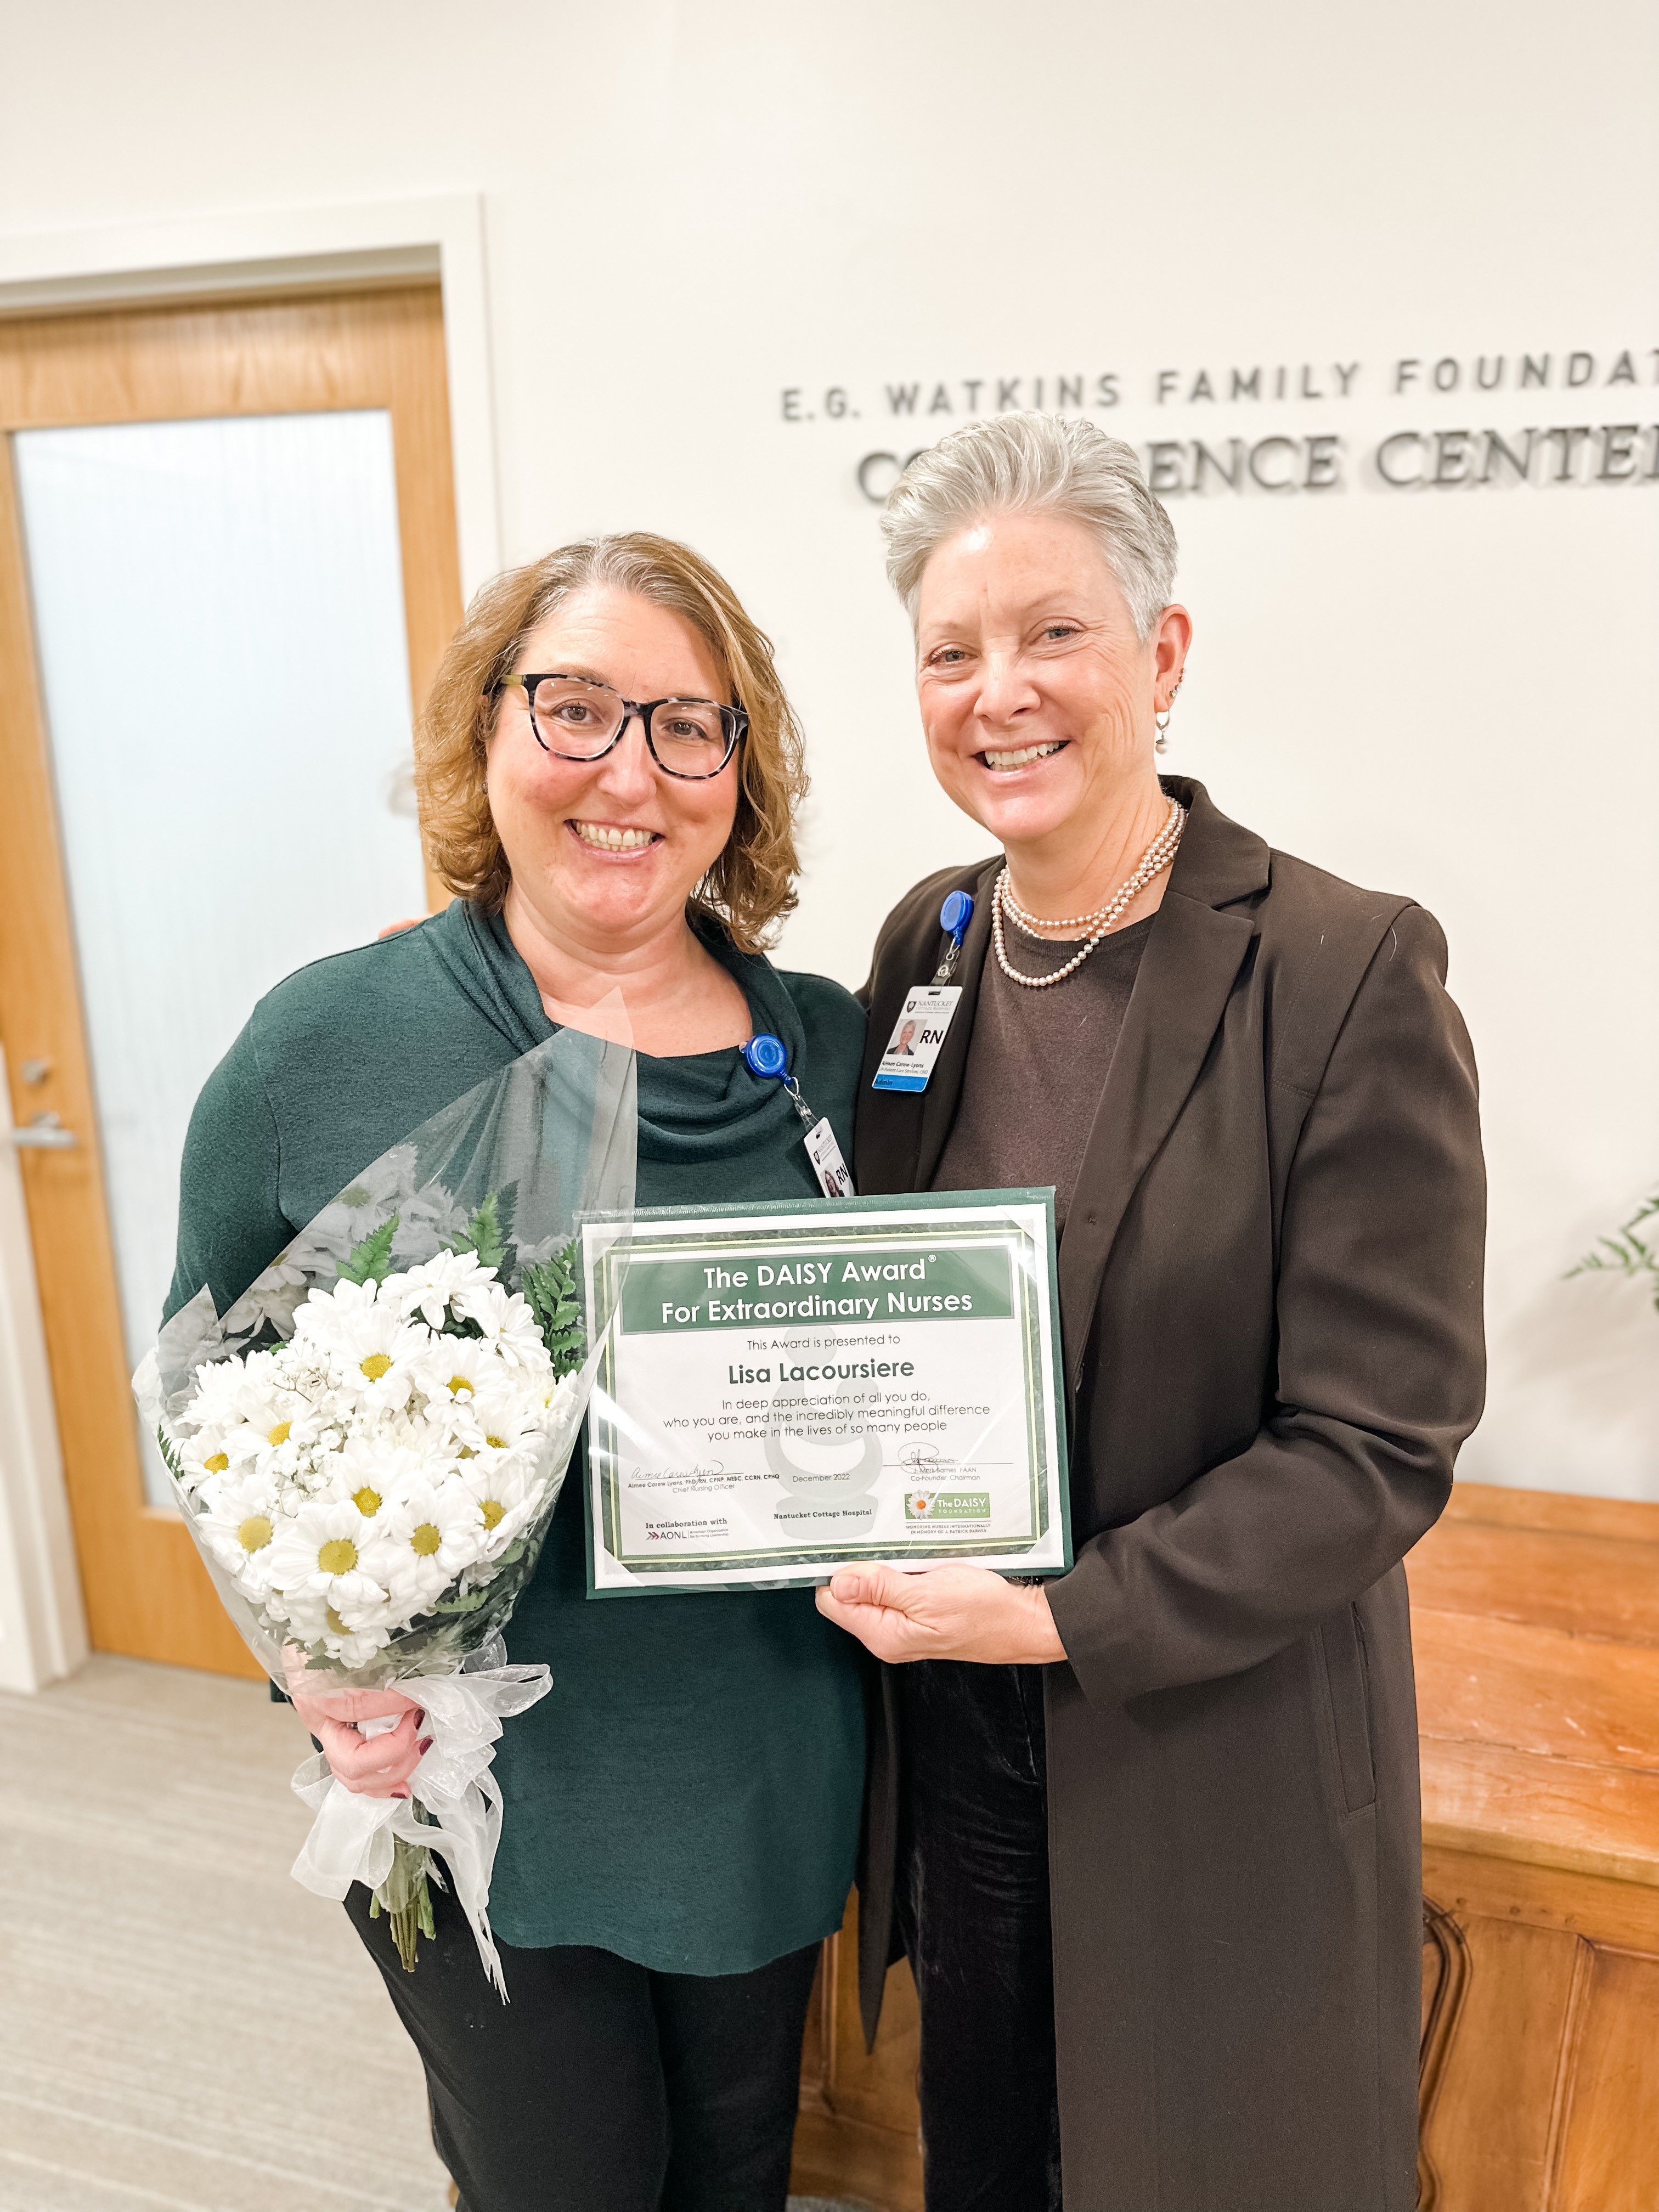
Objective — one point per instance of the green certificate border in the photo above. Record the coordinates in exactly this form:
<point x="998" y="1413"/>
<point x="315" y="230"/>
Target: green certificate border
<point x="1036" y="1301"/>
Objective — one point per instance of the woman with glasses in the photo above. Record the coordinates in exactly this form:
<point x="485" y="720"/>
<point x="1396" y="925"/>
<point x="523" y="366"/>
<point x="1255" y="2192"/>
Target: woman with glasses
<point x="609" y="774"/>
<point x="1150" y="1832"/>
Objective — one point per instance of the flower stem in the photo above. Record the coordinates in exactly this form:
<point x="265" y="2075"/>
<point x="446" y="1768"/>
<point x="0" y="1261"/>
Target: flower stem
<point x="406" y="1899"/>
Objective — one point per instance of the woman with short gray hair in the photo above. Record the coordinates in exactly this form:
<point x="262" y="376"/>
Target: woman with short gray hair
<point x="1149" y="1833"/>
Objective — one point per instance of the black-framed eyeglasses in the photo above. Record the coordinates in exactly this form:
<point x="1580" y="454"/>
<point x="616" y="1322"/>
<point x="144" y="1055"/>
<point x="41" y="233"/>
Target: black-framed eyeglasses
<point x="575" y="719"/>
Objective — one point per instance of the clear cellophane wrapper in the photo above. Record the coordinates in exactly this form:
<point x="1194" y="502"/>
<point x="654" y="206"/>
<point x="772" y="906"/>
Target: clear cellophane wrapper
<point x="549" y="1141"/>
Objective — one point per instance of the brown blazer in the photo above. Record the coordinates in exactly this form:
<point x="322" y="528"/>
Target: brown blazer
<point x="1271" y="1306"/>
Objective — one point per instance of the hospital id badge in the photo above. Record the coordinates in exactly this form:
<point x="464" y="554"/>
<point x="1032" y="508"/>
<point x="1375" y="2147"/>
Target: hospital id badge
<point x="834" y="1176"/>
<point x="918" y="1037"/>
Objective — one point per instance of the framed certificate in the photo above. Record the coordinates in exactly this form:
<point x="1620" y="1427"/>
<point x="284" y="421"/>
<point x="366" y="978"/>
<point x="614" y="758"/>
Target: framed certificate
<point x="785" y="1388"/>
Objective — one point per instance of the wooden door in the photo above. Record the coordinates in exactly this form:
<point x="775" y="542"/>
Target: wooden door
<point x="146" y="1592"/>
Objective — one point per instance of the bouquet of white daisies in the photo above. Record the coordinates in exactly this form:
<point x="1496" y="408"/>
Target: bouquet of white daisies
<point x="385" y="1466"/>
<point x="369" y="1445"/>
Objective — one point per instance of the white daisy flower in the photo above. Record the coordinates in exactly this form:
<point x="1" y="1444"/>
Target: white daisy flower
<point x="373" y="1353"/>
<point x="205" y="1454"/>
<point x="509" y="1496"/>
<point x="388" y="1179"/>
<point x="369" y="1603"/>
<point x="435" y="1530"/>
<point x="368" y="1198"/>
<point x="501" y="1417"/>
<point x="227" y="1388"/>
<point x="452" y="1368"/>
<point x="318" y="1320"/>
<point x="277" y="1425"/>
<point x="371" y="1469"/>
<point x="437" y="1283"/>
<point x="484" y="1299"/>
<point x="240" y="1528"/>
<point x="426" y="1218"/>
<point x="352" y="1647"/>
<point x="302" y="1612"/>
<point x="317" y="1554"/>
<point x="273" y="1299"/>
<point x="509" y="1325"/>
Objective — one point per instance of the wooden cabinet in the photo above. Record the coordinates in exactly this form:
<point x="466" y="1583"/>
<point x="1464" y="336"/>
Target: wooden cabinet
<point x="859" y="2134"/>
<point x="1536" y="1619"/>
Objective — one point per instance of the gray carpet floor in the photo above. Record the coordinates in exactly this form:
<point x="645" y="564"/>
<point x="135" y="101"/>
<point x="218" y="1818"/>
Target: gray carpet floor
<point x="183" y="2029"/>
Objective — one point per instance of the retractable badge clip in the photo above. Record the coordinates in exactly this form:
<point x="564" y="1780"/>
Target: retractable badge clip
<point x="954" y="917"/>
<point x="767" y="1057"/>
<point x="925" y="1018"/>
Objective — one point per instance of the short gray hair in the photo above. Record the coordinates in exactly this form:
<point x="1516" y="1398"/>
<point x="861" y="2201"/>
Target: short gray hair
<point x="1057" y="464"/>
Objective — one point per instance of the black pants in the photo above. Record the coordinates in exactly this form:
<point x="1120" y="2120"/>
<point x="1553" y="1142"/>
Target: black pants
<point x="973" y="1906"/>
<point x="602" y="2087"/>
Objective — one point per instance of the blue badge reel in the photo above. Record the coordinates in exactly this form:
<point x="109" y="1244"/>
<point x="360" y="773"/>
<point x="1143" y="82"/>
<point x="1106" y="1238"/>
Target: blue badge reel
<point x="767" y="1057"/>
<point x="924" y="1019"/>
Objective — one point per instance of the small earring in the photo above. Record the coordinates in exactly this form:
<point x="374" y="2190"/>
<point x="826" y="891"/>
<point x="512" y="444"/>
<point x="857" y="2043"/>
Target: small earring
<point x="1161" y="723"/>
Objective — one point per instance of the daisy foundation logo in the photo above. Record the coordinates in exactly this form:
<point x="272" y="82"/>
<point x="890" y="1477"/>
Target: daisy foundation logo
<point x="947" y="1504"/>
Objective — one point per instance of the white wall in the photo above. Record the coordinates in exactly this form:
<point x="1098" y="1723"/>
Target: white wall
<point x="691" y="209"/>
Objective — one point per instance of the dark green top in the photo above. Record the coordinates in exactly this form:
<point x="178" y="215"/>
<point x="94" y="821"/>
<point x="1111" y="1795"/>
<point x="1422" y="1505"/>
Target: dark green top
<point x="687" y="1794"/>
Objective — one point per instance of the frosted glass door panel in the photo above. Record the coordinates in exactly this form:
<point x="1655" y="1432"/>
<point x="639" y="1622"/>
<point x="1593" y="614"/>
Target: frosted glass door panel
<point x="220" y="617"/>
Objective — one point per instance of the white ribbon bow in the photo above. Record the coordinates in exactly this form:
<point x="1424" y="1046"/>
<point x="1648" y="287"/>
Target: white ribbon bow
<point x="351" y="1838"/>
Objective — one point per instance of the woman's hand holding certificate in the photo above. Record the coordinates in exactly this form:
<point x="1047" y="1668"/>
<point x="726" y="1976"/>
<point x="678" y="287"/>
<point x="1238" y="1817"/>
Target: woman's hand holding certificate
<point x="948" y="1613"/>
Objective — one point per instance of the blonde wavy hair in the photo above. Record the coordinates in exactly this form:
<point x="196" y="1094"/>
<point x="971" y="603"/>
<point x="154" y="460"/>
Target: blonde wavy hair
<point x="751" y="886"/>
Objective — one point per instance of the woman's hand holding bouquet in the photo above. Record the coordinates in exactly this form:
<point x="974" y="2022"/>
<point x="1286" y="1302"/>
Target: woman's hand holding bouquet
<point x="374" y="1761"/>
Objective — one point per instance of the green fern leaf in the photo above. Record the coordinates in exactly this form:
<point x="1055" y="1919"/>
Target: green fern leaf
<point x="550" y="1287"/>
<point x="371" y="1260"/>
<point x="483" y="1234"/>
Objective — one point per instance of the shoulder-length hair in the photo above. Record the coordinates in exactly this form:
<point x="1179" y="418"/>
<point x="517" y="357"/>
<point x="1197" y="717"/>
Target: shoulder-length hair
<point x="751" y="886"/>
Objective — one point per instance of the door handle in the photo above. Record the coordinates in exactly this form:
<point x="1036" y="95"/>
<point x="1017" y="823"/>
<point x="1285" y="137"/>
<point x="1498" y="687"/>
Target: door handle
<point x="44" y="1134"/>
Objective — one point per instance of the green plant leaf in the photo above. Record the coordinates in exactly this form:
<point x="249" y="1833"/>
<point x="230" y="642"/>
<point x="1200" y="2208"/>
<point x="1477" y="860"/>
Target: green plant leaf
<point x="484" y="1235"/>
<point x="1624" y="1253"/>
<point x="470" y="1603"/>
<point x="550" y="1285"/>
<point x="371" y="1260"/>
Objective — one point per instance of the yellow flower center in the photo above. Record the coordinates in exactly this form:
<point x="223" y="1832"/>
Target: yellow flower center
<point x="493" y="1511"/>
<point x="366" y="1501"/>
<point x="218" y="1464"/>
<point x="459" y="1386"/>
<point x="335" y="1621"/>
<point x="279" y="1434"/>
<point x="464" y="1451"/>
<point x="375" y="1365"/>
<point x="426" y="1538"/>
<point x="499" y="1443"/>
<point x="338" y="1557"/>
<point x="255" y="1532"/>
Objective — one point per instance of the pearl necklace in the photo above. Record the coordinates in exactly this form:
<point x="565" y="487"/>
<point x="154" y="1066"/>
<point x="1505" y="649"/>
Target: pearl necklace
<point x="1156" y="857"/>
